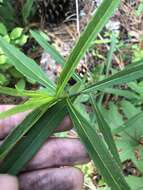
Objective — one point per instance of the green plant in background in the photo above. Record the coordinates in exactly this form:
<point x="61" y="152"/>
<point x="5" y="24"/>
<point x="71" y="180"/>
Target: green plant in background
<point x="88" y="171"/>
<point x="140" y="9"/>
<point x="138" y="53"/>
<point x="55" y="100"/>
<point x="9" y="12"/>
<point x="15" y="37"/>
<point x="26" y="10"/>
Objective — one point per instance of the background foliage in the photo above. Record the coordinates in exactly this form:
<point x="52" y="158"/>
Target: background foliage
<point x="106" y="111"/>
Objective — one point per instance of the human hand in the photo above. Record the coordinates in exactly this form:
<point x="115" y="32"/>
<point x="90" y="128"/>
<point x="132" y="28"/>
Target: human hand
<point x="46" y="170"/>
<point x="8" y="182"/>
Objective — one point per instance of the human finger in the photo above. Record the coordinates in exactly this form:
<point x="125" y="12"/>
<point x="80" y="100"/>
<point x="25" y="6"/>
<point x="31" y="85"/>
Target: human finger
<point x="8" y="124"/>
<point x="58" y="152"/>
<point x="67" y="178"/>
<point x="8" y="182"/>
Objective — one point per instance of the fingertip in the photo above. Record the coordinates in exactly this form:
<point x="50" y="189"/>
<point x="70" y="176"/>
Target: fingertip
<point x="8" y="182"/>
<point x="54" y="178"/>
<point x="77" y="178"/>
<point x="65" y="125"/>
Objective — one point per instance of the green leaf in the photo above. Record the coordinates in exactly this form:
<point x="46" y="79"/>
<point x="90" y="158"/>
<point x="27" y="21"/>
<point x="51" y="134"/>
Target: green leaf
<point x="106" y="131"/>
<point x="135" y="182"/>
<point x="98" y="151"/>
<point x="27" y="9"/>
<point x="25" y="93"/>
<point x="16" y="33"/>
<point x="33" y="103"/>
<point x="129" y="146"/>
<point x="139" y="11"/>
<point x="127" y="75"/>
<point x="20" y="131"/>
<point x="8" y="14"/>
<point x="111" y="52"/>
<point x="3" y="59"/>
<point x="48" y="47"/>
<point x="129" y="141"/>
<point x="20" y="86"/>
<point x="3" y="30"/>
<point x="120" y="92"/>
<point x="112" y="115"/>
<point x="26" y="65"/>
<point x="136" y="87"/>
<point x="51" y="50"/>
<point x="3" y="79"/>
<point x="27" y="147"/>
<point x="21" y="41"/>
<point x="129" y="109"/>
<point x="98" y="21"/>
<point x="134" y="120"/>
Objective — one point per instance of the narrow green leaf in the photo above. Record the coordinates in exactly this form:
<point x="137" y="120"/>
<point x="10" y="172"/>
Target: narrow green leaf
<point x="106" y="131"/>
<point x="27" y="9"/>
<point x="127" y="75"/>
<point x="129" y="109"/>
<point x="129" y="124"/>
<point x="136" y="87"/>
<point x="112" y="115"/>
<point x="23" y="93"/>
<point x="51" y="50"/>
<point x="111" y="52"/>
<point x="98" y="151"/>
<point x="26" y="65"/>
<point x="27" y="147"/>
<point x="48" y="47"/>
<point x="20" y="131"/>
<point x="98" y="21"/>
<point x="119" y="92"/>
<point x="33" y="103"/>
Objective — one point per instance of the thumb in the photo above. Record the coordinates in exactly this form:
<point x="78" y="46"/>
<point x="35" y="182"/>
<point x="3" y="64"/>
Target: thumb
<point x="8" y="182"/>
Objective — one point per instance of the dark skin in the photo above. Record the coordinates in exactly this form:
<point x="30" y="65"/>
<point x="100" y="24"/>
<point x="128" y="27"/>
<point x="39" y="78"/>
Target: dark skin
<point x="52" y="167"/>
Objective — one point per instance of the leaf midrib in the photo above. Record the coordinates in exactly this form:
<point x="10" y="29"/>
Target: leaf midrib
<point x="84" y="47"/>
<point x="40" y="77"/>
<point x="31" y="144"/>
<point x="93" y="146"/>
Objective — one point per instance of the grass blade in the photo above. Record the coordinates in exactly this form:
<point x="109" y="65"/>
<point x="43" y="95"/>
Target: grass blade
<point x="98" y="21"/>
<point x="51" y="50"/>
<point x="98" y="151"/>
<point x="48" y="47"/>
<point x="120" y="92"/>
<point x="33" y="103"/>
<point x="106" y="131"/>
<point x="111" y="52"/>
<point x="23" y="93"/>
<point x="25" y="149"/>
<point x="27" y="9"/>
<point x="20" y="131"/>
<point x="129" y="124"/>
<point x="26" y="65"/>
<point x="127" y="75"/>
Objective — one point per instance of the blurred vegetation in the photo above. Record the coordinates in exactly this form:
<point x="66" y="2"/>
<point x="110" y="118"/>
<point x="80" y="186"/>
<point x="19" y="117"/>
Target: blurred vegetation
<point x="115" y="49"/>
